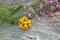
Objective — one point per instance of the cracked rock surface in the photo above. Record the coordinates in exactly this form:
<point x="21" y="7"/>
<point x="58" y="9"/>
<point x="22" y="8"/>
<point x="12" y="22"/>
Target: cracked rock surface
<point x="38" y="31"/>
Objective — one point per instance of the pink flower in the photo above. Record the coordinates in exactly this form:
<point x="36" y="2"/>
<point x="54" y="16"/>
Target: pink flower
<point x="48" y="2"/>
<point x="40" y="13"/>
<point x="56" y="0"/>
<point x="29" y="14"/>
<point x="52" y="7"/>
<point x="40" y="6"/>
<point x="51" y="1"/>
<point x="24" y="7"/>
<point x="58" y="4"/>
<point x="36" y="16"/>
<point x="51" y="15"/>
<point x="11" y="3"/>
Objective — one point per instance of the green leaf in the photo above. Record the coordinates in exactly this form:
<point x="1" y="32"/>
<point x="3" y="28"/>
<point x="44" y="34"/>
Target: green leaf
<point x="13" y="18"/>
<point x="0" y="19"/>
<point x="18" y="12"/>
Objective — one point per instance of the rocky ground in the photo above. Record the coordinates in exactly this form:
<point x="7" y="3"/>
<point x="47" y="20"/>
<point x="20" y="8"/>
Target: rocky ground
<point x="40" y="30"/>
<point x="44" y="28"/>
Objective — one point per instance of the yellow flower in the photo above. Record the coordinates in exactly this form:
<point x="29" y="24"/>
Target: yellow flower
<point x="24" y="23"/>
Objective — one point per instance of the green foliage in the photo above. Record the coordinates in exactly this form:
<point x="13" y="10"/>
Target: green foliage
<point x="41" y="1"/>
<point x="58" y="0"/>
<point x="13" y="18"/>
<point x="17" y="12"/>
<point x="5" y="11"/>
<point x="46" y="8"/>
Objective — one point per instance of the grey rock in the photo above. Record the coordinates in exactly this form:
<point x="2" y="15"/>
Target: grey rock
<point x="38" y="31"/>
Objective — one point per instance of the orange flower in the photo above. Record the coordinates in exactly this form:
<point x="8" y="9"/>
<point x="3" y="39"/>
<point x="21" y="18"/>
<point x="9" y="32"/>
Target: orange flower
<point x="24" y="23"/>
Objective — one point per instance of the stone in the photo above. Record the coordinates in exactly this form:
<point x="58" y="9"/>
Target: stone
<point x="38" y="31"/>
